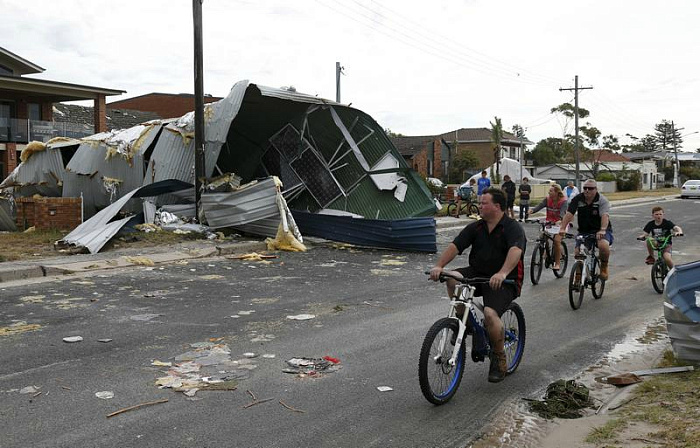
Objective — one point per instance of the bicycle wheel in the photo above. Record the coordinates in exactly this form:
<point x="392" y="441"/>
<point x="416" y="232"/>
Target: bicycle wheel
<point x="563" y="262"/>
<point x="514" y="323"/>
<point x="658" y="274"/>
<point x="451" y="209"/>
<point x="576" y="287"/>
<point x="598" y="285"/>
<point x="473" y="210"/>
<point x="536" y="263"/>
<point x="438" y="379"/>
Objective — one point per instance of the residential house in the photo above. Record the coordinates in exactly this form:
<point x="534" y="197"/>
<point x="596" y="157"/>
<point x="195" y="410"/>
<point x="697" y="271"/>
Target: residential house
<point x="431" y="155"/>
<point x="116" y="118"/>
<point x="26" y="108"/>
<point x="166" y="105"/>
<point x="602" y="160"/>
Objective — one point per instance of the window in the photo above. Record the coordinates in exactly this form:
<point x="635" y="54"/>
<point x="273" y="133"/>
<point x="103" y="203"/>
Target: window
<point x="34" y="111"/>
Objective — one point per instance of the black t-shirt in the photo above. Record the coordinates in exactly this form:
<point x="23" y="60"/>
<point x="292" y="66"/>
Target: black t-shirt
<point x="589" y="216"/>
<point x="489" y="250"/>
<point x="509" y="188"/>
<point x="525" y="190"/>
<point x="664" y="229"/>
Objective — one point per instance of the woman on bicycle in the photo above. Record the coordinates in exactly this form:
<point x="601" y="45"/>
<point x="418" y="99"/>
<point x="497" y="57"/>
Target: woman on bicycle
<point x="660" y="227"/>
<point x="556" y="209"/>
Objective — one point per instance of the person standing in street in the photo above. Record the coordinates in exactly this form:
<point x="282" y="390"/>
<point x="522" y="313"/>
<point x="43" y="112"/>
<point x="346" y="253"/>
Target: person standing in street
<point x="524" y="189"/>
<point x="508" y="188"/>
<point x="497" y="250"/>
<point x="482" y="184"/>
<point x="593" y="211"/>
<point x="570" y="191"/>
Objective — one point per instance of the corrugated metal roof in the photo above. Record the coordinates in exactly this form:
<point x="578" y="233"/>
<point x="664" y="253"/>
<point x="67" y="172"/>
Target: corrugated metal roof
<point x="7" y="223"/>
<point x="242" y="206"/>
<point x="42" y="173"/>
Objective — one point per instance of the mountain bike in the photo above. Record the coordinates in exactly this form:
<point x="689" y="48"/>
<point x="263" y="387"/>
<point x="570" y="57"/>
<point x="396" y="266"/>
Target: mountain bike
<point x="659" y="270"/>
<point x="467" y="207"/>
<point x="442" y="356"/>
<point x="543" y="254"/>
<point x="586" y="272"/>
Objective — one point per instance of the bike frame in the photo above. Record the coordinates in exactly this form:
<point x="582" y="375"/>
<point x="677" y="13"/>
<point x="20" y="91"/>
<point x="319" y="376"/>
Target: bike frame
<point x="589" y="253"/>
<point x="658" y="244"/>
<point x="464" y="296"/>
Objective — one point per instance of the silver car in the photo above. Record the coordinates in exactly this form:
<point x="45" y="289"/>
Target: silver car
<point x="691" y="189"/>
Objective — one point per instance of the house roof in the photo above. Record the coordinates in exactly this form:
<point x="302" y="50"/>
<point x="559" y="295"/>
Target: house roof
<point x="411" y="145"/>
<point x="24" y="66"/>
<point x="53" y="91"/>
<point x="606" y="155"/>
<point x="116" y="118"/>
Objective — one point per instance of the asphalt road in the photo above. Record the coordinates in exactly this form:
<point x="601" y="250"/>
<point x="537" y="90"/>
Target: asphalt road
<point x="372" y="310"/>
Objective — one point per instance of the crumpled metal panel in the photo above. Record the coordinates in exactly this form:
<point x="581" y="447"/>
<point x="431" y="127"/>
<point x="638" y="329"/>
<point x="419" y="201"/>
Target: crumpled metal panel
<point x="108" y="164"/>
<point x="247" y="204"/>
<point x="42" y="173"/>
<point x="7" y="223"/>
<point x="682" y="310"/>
<point x="173" y="155"/>
<point x="94" y="233"/>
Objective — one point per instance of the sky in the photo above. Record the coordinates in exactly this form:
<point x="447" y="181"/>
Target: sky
<point x="417" y="67"/>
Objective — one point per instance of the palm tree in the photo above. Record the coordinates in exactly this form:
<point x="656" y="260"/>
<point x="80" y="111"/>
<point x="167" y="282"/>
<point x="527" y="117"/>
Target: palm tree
<point x="496" y="138"/>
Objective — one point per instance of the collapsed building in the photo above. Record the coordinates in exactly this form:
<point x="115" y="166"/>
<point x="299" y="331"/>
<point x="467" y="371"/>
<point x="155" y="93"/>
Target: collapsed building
<point x="336" y="165"/>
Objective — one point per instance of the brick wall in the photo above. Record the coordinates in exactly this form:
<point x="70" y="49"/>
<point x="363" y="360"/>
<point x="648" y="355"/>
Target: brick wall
<point x="48" y="213"/>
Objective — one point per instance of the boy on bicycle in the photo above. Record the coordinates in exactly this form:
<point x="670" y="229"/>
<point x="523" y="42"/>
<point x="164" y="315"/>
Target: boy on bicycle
<point x="660" y="227"/>
<point x="464" y="193"/>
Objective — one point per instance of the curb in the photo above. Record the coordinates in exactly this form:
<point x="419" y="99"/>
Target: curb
<point x="48" y="268"/>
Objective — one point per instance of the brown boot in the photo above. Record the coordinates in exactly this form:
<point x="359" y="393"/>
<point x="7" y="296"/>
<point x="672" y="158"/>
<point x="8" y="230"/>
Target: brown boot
<point x="498" y="368"/>
<point x="603" y="270"/>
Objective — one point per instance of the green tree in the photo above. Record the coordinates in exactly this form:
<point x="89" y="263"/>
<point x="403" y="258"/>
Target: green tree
<point x="391" y="133"/>
<point x="461" y="162"/>
<point x="550" y="150"/>
<point x="644" y="144"/>
<point x="496" y="139"/>
<point x="667" y="135"/>
<point x="566" y="112"/>
<point x="591" y="135"/>
<point x="611" y="142"/>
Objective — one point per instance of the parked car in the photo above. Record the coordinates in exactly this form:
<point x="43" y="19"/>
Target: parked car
<point x="691" y="189"/>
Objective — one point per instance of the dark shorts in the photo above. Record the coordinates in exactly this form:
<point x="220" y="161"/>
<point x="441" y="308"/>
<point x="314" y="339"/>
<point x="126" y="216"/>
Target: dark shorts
<point x="608" y="236"/>
<point x="510" y="202"/>
<point x="497" y="299"/>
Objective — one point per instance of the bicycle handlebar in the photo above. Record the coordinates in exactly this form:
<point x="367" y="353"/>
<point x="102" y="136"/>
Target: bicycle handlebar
<point x="469" y="281"/>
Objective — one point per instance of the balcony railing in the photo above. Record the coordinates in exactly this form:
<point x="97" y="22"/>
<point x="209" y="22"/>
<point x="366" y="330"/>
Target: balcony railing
<point x="24" y="131"/>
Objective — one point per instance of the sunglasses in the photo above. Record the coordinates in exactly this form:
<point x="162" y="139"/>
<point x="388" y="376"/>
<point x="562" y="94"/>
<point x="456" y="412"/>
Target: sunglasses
<point x="589" y="188"/>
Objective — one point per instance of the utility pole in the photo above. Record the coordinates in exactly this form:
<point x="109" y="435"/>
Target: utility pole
<point x="676" y="169"/>
<point x="576" y="88"/>
<point x="338" y="71"/>
<point x="198" y="106"/>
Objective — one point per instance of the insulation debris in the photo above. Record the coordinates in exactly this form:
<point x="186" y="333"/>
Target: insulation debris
<point x="32" y="148"/>
<point x="311" y="366"/>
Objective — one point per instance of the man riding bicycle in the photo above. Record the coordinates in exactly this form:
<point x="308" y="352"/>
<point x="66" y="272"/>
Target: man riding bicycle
<point x="593" y="219"/>
<point x="556" y="209"/>
<point x="660" y="227"/>
<point x="497" y="249"/>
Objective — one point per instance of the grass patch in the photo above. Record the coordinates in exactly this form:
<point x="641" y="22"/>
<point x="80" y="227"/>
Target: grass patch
<point x="28" y="245"/>
<point x="607" y="432"/>
<point x="669" y="401"/>
<point x="619" y="195"/>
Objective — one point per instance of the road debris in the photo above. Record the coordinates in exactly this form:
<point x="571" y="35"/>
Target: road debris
<point x="137" y="406"/>
<point x="563" y="399"/>
<point x="311" y="366"/>
<point x="71" y="339"/>
<point x="384" y="388"/>
<point x="291" y="408"/>
<point x="29" y="390"/>
<point x="17" y="328"/>
<point x="140" y="261"/>
<point x="252" y="256"/>
<point x="105" y="394"/>
<point x="104" y="340"/>
<point x="255" y="400"/>
<point x="302" y="317"/>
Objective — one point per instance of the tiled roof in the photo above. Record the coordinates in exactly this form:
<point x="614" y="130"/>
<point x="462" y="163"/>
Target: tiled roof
<point x="606" y="155"/>
<point x="473" y="134"/>
<point x="411" y="145"/>
<point x="116" y="118"/>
